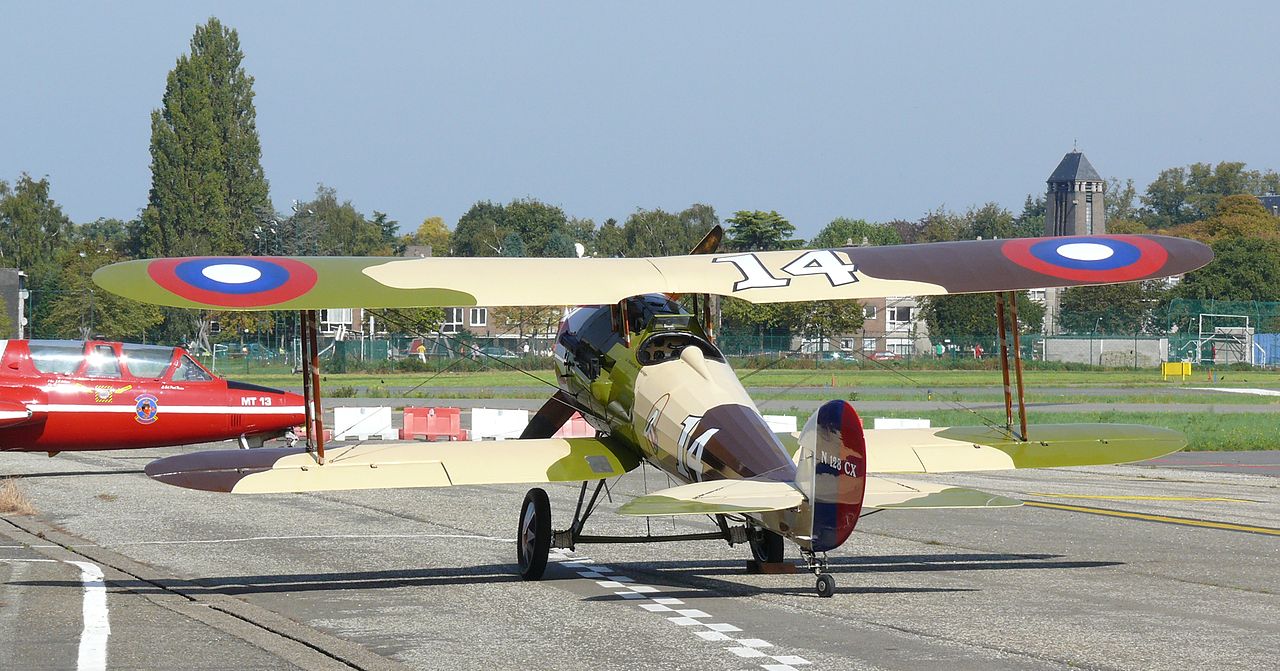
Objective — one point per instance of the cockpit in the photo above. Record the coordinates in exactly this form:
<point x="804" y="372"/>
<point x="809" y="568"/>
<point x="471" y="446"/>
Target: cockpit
<point x="106" y="360"/>
<point x="589" y="333"/>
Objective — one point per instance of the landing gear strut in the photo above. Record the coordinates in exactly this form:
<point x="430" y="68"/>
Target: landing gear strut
<point x="826" y="583"/>
<point x="766" y="546"/>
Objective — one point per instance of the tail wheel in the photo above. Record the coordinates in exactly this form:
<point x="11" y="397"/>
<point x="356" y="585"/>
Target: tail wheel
<point x="533" y="538"/>
<point x="826" y="585"/>
<point x="767" y="549"/>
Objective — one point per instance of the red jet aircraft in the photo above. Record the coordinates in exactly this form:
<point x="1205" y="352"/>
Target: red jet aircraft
<point x="58" y="395"/>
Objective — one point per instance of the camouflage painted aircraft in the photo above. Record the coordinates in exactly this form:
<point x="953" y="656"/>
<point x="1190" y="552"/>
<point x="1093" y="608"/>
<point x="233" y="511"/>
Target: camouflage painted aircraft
<point x="648" y="376"/>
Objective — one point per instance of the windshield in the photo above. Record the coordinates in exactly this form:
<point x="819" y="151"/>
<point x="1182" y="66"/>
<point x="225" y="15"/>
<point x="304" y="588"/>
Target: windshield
<point x="147" y="360"/>
<point x="56" y="356"/>
<point x="662" y="347"/>
<point x="102" y="362"/>
<point x="189" y="371"/>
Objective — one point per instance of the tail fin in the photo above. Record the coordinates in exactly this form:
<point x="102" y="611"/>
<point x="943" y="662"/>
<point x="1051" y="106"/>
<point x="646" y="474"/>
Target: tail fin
<point x="833" y="472"/>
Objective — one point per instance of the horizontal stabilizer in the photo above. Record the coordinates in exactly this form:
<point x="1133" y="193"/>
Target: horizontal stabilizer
<point x="716" y="497"/>
<point x="982" y="448"/>
<point x="888" y="494"/>
<point x="393" y="465"/>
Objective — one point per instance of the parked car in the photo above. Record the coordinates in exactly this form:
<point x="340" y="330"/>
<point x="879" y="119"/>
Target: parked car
<point x="884" y="356"/>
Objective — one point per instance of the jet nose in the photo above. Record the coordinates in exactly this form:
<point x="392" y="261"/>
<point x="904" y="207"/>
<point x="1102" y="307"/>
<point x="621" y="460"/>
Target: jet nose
<point x="293" y="407"/>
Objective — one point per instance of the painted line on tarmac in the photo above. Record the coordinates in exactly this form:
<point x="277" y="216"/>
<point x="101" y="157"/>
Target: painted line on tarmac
<point x="1164" y="519"/>
<point x="1238" y="390"/>
<point x="92" y="654"/>
<point x="250" y="539"/>
<point x="1107" y="497"/>
<point x="651" y="600"/>
<point x="1194" y="464"/>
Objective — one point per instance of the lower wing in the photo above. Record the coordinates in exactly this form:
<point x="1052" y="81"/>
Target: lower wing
<point x="977" y="448"/>
<point x="720" y="497"/>
<point x="393" y="465"/>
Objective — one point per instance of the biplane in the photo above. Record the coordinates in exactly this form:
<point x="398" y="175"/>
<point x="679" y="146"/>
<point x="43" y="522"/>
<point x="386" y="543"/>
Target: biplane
<point x="647" y="374"/>
<point x="73" y="395"/>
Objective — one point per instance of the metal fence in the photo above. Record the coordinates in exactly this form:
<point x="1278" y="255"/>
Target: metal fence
<point x="1205" y="332"/>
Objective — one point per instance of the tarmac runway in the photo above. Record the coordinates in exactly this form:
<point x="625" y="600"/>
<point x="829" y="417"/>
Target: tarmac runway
<point x="1166" y="565"/>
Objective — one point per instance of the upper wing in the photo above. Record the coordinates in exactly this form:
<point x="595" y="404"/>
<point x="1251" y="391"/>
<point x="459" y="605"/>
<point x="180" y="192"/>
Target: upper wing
<point x="989" y="449"/>
<point x="259" y="283"/>
<point x="390" y="465"/>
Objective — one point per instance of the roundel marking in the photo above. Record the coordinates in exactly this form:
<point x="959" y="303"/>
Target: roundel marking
<point x="1098" y="258"/>
<point x="239" y="282"/>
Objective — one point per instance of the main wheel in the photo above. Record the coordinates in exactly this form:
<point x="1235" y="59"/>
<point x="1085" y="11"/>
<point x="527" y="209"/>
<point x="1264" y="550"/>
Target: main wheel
<point x="768" y="548"/>
<point x="826" y="585"/>
<point x="533" y="538"/>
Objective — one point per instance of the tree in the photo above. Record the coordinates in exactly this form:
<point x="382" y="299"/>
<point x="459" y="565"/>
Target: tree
<point x="332" y="228"/>
<point x="73" y="307"/>
<point x="111" y="234"/>
<point x="827" y="319"/>
<point x="1031" y="222"/>
<point x="1182" y="195"/>
<point x="1126" y="308"/>
<point x="1238" y="216"/>
<point x="1121" y="202"/>
<point x="990" y="222"/>
<point x="941" y="225"/>
<point x="484" y="228"/>
<point x="970" y="318"/>
<point x="1243" y="269"/>
<point x="390" y="230"/>
<point x="208" y="191"/>
<point x="760" y="231"/>
<point x="845" y="232"/>
<point x="431" y="232"/>
<point x="1165" y="203"/>
<point x="530" y="322"/>
<point x="559" y="244"/>
<point x="33" y="228"/>
<point x="513" y="245"/>
<point x="609" y="241"/>
<point x="660" y="233"/>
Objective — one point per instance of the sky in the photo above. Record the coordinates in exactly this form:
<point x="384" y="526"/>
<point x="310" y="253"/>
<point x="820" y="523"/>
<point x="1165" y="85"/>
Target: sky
<point x="817" y="110"/>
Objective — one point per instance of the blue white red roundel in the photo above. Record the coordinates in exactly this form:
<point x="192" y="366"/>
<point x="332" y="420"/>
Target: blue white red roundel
<point x="239" y="282"/>
<point x="1097" y="258"/>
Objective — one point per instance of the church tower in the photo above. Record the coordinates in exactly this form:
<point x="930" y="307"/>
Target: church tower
<point x="1073" y="205"/>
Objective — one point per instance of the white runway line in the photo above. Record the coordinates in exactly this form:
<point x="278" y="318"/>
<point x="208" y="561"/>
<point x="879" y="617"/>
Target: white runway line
<point x="712" y="632"/>
<point x="1234" y="390"/>
<point x="250" y="539"/>
<point x="97" y="624"/>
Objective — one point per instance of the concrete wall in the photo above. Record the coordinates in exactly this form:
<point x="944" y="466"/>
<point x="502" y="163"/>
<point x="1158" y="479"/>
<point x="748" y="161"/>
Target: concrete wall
<point x="1118" y="352"/>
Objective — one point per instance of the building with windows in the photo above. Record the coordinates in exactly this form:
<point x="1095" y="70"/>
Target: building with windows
<point x="1272" y="203"/>
<point x="1074" y="205"/>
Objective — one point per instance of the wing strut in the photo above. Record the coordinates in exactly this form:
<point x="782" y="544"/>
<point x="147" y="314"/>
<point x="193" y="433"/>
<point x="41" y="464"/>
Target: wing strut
<point x="1011" y="299"/>
<point x="311" y="383"/>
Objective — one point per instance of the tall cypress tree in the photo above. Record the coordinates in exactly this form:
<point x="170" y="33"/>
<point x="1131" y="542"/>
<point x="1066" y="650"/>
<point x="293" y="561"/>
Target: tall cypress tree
<point x="208" y="190"/>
